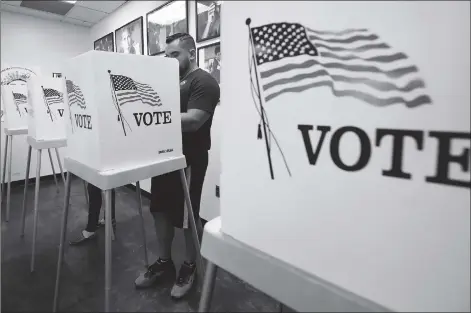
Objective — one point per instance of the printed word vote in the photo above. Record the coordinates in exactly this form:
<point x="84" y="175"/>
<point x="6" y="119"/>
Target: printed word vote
<point x="445" y="157"/>
<point x="153" y="118"/>
<point x="83" y="121"/>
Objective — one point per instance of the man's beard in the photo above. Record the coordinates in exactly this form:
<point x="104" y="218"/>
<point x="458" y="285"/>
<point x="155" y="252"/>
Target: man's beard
<point x="184" y="67"/>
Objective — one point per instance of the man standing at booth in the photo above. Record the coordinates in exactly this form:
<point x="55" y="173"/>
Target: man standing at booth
<point x="199" y="95"/>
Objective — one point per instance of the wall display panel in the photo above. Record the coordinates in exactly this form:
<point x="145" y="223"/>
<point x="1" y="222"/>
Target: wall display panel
<point x="164" y="21"/>
<point x="130" y="38"/>
<point x="105" y="43"/>
<point x="208" y="20"/>
<point x="209" y="59"/>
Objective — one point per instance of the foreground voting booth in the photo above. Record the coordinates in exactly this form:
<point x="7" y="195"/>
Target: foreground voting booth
<point x="124" y="126"/>
<point x="348" y="186"/>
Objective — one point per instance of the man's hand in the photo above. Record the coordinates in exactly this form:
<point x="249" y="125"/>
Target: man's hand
<point x="193" y="120"/>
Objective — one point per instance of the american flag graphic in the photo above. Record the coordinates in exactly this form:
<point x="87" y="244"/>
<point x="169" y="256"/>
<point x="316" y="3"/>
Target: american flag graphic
<point x="75" y="94"/>
<point x="53" y="96"/>
<point x="352" y="63"/>
<point x="128" y="90"/>
<point x="20" y="98"/>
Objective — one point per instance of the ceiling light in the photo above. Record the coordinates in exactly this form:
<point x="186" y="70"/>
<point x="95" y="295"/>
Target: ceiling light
<point x="70" y="1"/>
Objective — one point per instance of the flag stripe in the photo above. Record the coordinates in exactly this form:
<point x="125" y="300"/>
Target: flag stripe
<point x="338" y="33"/>
<point x="420" y="100"/>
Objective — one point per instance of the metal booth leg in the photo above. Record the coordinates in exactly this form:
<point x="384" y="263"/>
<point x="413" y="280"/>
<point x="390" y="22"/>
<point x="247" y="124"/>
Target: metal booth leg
<point x="208" y="287"/>
<point x="62" y="240"/>
<point x="36" y="207"/>
<point x="194" y="230"/>
<point x="25" y="193"/>
<point x="143" y="229"/>
<point x="4" y="169"/>
<point x="108" y="234"/>
<point x="53" y="170"/>
<point x="10" y="150"/>
<point x="103" y="196"/>
<point x="60" y="165"/>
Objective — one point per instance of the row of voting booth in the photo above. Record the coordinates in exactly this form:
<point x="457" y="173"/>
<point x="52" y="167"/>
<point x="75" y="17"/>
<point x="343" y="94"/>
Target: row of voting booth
<point x="100" y="111"/>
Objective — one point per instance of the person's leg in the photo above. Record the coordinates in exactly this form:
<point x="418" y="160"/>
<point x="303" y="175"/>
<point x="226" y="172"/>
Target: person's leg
<point x="163" y="198"/>
<point x="94" y="196"/>
<point x="187" y="273"/>
<point x="101" y="223"/>
<point x="95" y="201"/>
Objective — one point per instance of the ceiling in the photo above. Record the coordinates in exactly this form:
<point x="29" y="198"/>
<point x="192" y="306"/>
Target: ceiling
<point x="84" y="13"/>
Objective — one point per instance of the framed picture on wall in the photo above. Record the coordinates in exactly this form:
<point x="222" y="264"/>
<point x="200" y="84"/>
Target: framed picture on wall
<point x="209" y="59"/>
<point x="130" y="37"/>
<point x="166" y="20"/>
<point x="105" y="43"/>
<point x="208" y="20"/>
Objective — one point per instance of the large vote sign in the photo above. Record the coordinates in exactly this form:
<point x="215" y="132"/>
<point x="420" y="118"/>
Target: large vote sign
<point x="15" y="107"/>
<point x="123" y="110"/>
<point x="47" y="118"/>
<point x="350" y="154"/>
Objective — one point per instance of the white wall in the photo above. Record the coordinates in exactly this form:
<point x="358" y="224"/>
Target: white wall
<point x="125" y="14"/>
<point x="29" y="41"/>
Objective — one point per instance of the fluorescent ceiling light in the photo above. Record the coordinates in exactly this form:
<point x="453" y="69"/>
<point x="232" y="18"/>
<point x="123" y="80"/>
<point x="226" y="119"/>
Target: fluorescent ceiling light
<point x="70" y="1"/>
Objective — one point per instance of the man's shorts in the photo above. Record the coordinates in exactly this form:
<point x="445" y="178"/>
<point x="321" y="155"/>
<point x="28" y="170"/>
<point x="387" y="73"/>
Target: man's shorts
<point x="167" y="191"/>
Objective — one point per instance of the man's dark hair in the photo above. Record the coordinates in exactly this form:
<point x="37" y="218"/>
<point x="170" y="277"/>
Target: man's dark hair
<point x="186" y="41"/>
<point x="217" y="49"/>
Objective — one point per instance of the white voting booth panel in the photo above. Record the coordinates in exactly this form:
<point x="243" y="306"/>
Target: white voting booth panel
<point x="124" y="110"/>
<point x="47" y="113"/>
<point x="370" y="105"/>
<point x="15" y="106"/>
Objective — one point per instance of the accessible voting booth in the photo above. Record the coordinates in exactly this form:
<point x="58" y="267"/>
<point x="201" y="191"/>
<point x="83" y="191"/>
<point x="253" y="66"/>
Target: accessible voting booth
<point x="355" y="193"/>
<point x="123" y="126"/>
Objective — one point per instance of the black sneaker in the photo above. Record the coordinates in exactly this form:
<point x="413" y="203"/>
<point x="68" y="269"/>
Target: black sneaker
<point x="185" y="280"/>
<point x="83" y="238"/>
<point x="156" y="272"/>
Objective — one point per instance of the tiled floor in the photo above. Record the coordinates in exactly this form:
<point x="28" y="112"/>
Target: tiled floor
<point x="82" y="287"/>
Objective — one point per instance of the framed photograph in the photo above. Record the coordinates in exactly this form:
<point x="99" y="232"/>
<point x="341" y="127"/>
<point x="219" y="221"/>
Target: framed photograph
<point x="164" y="21"/>
<point x="105" y="43"/>
<point x="209" y="59"/>
<point x="130" y="37"/>
<point x="208" y="20"/>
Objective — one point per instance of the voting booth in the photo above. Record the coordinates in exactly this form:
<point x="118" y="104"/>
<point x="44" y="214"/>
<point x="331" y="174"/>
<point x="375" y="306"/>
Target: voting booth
<point x="353" y="163"/>
<point x="15" y="106"/>
<point x="47" y="119"/>
<point x="14" y="79"/>
<point x="124" y="126"/>
<point x="123" y="111"/>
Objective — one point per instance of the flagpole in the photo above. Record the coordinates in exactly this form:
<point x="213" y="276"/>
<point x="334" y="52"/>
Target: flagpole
<point x="262" y="110"/>
<point x="115" y="101"/>
<point x="47" y="105"/>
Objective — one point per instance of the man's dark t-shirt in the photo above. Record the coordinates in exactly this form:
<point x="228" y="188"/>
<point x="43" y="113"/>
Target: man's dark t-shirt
<point x="199" y="90"/>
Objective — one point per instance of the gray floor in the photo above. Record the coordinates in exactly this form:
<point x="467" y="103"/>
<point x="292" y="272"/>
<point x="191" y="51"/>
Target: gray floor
<point x="83" y="270"/>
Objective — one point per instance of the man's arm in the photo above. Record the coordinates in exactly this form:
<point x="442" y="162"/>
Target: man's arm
<point x="202" y="103"/>
<point x="194" y="119"/>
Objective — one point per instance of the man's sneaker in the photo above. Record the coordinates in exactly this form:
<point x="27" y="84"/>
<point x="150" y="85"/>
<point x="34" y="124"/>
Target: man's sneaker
<point x="84" y="237"/>
<point x="156" y="272"/>
<point x="185" y="280"/>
